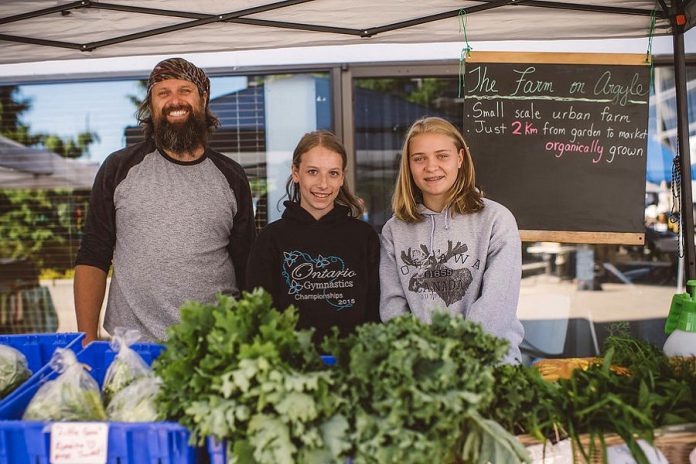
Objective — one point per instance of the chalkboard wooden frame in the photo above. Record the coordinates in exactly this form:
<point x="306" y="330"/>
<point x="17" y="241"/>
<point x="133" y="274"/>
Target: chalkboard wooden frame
<point x="631" y="237"/>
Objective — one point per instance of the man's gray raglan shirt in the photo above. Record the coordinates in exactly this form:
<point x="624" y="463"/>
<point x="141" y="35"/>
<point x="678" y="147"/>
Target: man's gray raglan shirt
<point x="175" y="231"/>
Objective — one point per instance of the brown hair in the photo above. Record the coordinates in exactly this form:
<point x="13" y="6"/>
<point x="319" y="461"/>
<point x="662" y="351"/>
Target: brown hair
<point x="328" y="140"/>
<point x="464" y="197"/>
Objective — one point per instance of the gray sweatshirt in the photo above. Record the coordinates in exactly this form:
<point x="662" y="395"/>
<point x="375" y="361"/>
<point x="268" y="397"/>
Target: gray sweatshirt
<point x="467" y="264"/>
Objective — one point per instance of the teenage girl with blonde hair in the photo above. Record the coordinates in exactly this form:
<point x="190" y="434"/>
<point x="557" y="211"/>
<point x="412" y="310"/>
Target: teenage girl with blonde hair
<point x="447" y="247"/>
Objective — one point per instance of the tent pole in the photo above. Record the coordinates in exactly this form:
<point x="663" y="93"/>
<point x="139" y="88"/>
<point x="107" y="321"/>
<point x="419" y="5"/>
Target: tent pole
<point x="687" y="213"/>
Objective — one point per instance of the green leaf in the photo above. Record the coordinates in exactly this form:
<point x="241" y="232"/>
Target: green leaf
<point x="271" y="440"/>
<point x="497" y="445"/>
<point x="297" y="407"/>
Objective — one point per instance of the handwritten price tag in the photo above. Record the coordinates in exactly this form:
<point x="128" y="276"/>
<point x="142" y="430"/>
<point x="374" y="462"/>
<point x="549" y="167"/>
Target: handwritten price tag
<point x="79" y="443"/>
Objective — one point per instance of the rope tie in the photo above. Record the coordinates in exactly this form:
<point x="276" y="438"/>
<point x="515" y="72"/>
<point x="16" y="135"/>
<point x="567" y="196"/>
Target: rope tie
<point x="648" y="53"/>
<point x="466" y="51"/>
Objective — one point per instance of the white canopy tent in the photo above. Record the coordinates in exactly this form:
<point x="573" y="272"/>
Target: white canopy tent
<point x="39" y="30"/>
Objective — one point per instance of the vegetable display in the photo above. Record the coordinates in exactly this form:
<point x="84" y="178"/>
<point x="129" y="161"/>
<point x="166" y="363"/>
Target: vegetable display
<point x="13" y="369"/>
<point x="403" y="392"/>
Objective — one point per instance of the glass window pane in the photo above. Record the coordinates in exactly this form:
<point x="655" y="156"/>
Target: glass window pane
<point x="384" y="109"/>
<point x="54" y="136"/>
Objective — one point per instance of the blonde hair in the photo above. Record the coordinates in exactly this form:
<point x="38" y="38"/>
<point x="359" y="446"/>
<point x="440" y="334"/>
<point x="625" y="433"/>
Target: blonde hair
<point x="464" y="197"/>
<point x="328" y="140"/>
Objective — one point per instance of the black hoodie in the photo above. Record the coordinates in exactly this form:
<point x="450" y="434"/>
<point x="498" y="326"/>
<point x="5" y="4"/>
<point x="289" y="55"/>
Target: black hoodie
<point x="328" y="268"/>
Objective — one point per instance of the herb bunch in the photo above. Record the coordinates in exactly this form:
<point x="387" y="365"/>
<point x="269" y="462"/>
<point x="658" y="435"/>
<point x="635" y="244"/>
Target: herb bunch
<point x="239" y="371"/>
<point x="654" y="391"/>
<point x="524" y="402"/>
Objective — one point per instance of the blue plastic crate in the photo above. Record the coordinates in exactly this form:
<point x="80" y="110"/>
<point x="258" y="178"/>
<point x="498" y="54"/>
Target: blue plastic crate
<point x="97" y="355"/>
<point x="38" y="349"/>
<point x="28" y="442"/>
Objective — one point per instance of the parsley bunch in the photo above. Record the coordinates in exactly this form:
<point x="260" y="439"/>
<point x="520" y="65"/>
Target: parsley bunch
<point x="239" y="371"/>
<point x="413" y="391"/>
<point x="524" y="402"/>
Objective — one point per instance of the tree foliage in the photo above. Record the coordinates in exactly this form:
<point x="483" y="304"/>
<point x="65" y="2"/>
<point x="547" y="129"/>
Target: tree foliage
<point x="13" y="106"/>
<point x="41" y="226"/>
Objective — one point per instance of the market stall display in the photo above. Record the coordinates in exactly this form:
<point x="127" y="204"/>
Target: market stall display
<point x="240" y="378"/>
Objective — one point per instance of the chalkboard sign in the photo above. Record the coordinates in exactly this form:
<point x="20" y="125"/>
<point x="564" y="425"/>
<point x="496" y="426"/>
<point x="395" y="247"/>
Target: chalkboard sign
<point x="561" y="140"/>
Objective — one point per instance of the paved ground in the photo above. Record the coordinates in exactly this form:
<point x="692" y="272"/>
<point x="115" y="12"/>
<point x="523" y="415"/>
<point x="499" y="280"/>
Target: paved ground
<point x="547" y="297"/>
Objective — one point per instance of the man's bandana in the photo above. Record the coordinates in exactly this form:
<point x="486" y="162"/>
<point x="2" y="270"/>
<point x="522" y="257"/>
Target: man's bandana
<point x="179" y="68"/>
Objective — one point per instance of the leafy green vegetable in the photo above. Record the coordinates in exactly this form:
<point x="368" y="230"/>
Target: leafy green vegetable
<point x="413" y="392"/>
<point x="524" y="402"/>
<point x="136" y="402"/>
<point x="127" y="367"/>
<point x="13" y="369"/>
<point x="121" y="375"/>
<point x="657" y="391"/>
<point x="63" y="401"/>
<point x="72" y="396"/>
<point x="241" y="372"/>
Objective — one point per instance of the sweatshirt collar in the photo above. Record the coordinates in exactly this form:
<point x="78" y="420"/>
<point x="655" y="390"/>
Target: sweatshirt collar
<point x="295" y="212"/>
<point x="432" y="215"/>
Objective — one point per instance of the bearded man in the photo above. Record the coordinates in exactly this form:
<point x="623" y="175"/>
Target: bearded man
<point x="172" y="216"/>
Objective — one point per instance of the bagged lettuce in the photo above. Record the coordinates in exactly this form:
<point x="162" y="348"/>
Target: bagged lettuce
<point x="127" y="366"/>
<point x="136" y="402"/>
<point x="73" y="396"/>
<point x="13" y="369"/>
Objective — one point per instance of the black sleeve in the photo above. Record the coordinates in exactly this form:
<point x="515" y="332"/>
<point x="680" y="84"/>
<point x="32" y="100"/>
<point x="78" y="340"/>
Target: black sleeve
<point x="261" y="271"/>
<point x="99" y="236"/>
<point x="243" y="230"/>
<point x="372" y="307"/>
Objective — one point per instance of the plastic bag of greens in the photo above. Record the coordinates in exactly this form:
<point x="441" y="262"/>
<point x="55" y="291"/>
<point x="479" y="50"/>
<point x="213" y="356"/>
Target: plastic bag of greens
<point x="13" y="369"/>
<point x="72" y="396"/>
<point x="136" y="402"/>
<point x="127" y="366"/>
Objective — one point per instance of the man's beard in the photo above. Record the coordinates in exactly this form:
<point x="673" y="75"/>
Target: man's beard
<point x="183" y="137"/>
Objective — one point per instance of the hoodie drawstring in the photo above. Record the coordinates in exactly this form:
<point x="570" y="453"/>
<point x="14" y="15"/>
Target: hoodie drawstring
<point x="432" y="233"/>
<point x="432" y="228"/>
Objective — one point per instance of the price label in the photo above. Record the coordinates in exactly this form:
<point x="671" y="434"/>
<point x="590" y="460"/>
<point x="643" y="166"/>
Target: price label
<point x="79" y="443"/>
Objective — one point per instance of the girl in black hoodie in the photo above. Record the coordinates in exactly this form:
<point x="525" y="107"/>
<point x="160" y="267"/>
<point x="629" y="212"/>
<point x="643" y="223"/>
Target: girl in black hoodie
<point x="319" y="257"/>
